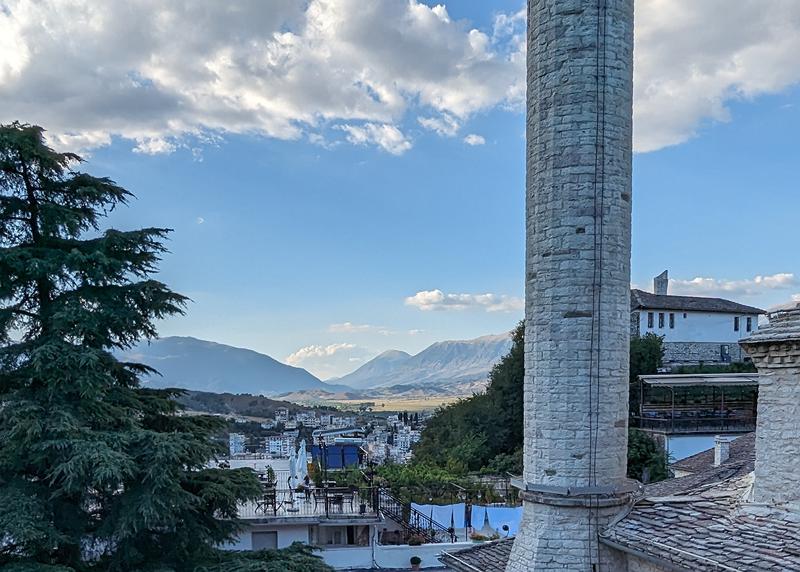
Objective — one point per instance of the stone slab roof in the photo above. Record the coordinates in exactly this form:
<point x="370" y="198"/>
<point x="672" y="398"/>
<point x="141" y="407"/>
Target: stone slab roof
<point x="641" y="300"/>
<point x="485" y="557"/>
<point x="784" y="325"/>
<point x="698" y="523"/>
<point x="741" y="449"/>
<point x="710" y="528"/>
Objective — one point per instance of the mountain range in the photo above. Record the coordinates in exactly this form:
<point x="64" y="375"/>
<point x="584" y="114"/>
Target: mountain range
<point x="442" y="363"/>
<point x="453" y="367"/>
<point x="201" y="365"/>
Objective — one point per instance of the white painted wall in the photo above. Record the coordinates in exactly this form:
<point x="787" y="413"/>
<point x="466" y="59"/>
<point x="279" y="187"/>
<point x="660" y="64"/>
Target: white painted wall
<point x="353" y="557"/>
<point x="286" y="536"/>
<point x="698" y="326"/>
<point x="393" y="557"/>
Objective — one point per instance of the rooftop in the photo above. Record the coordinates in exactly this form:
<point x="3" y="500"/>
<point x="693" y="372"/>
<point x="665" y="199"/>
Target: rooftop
<point x="700" y="379"/>
<point x="710" y="527"/>
<point x="701" y="523"/>
<point x="783" y="325"/>
<point x="486" y="557"/>
<point x="641" y="300"/>
<point x="742" y="450"/>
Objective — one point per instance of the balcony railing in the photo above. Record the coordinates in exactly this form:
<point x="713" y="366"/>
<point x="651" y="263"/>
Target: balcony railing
<point x="331" y="502"/>
<point x="696" y="425"/>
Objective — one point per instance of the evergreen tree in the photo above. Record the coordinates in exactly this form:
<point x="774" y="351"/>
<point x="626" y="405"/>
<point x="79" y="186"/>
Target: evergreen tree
<point x="96" y="472"/>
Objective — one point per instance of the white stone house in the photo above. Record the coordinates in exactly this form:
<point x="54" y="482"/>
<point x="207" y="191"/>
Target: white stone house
<point x="695" y="329"/>
<point x="279" y="445"/>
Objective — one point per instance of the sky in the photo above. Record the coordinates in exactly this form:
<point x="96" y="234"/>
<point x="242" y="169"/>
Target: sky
<point x="346" y="177"/>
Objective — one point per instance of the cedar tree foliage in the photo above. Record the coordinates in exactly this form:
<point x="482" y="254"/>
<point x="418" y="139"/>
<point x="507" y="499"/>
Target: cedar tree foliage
<point x="96" y="471"/>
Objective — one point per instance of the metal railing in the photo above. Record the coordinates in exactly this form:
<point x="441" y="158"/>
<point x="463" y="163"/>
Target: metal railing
<point x="413" y="522"/>
<point x="696" y="425"/>
<point x="332" y="502"/>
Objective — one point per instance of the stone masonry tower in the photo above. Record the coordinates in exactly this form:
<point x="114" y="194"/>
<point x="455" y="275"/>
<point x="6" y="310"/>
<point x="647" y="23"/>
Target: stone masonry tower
<point x="580" y="61"/>
<point x="775" y="350"/>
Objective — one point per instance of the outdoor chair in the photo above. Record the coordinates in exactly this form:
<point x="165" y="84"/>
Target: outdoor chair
<point x="268" y="501"/>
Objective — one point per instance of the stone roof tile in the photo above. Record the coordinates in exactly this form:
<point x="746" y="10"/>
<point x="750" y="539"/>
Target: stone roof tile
<point x="485" y="557"/>
<point x="741" y="449"/>
<point x="641" y="300"/>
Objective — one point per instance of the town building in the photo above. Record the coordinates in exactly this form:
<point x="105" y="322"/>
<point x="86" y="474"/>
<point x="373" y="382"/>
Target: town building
<point x="695" y="329"/>
<point x="366" y="528"/>
<point x="279" y="446"/>
<point x="236" y="444"/>
<point x="281" y="415"/>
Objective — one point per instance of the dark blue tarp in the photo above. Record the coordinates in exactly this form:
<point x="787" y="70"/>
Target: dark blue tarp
<point x="337" y="456"/>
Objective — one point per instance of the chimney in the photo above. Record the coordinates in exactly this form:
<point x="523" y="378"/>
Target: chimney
<point x="722" y="449"/>
<point x="661" y="283"/>
<point x="775" y="350"/>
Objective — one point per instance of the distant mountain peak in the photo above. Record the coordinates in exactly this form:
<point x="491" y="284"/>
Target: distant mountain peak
<point x="440" y="363"/>
<point x="393" y="354"/>
<point x="202" y="365"/>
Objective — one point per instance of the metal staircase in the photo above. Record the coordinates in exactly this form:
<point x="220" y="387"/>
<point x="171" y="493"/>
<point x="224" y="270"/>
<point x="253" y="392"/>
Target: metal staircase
<point x="413" y="522"/>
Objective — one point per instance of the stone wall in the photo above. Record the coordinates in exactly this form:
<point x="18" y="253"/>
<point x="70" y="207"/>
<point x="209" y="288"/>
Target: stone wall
<point x="683" y="353"/>
<point x="778" y="424"/>
<point x="635" y="324"/>
<point x="640" y="565"/>
<point x="557" y="538"/>
<point x="577" y="275"/>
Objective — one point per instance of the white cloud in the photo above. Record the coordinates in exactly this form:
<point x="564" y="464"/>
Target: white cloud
<point x="720" y="287"/>
<point x="445" y="124"/>
<point x="388" y="137"/>
<point x="307" y="352"/>
<point x="692" y="58"/>
<point x="326" y="361"/>
<point x="428" y="300"/>
<point x="90" y="71"/>
<point x="200" y="220"/>
<point x="796" y="297"/>
<point x="473" y="139"/>
<point x="351" y="328"/>
<point x="154" y="146"/>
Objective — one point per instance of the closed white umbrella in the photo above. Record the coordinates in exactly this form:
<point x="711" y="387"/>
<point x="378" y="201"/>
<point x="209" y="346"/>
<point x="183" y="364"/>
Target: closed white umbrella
<point x="293" y="469"/>
<point x="302" y="462"/>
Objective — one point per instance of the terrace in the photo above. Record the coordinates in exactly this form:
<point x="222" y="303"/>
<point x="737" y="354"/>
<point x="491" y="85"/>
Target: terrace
<point x="315" y="504"/>
<point x="695" y="403"/>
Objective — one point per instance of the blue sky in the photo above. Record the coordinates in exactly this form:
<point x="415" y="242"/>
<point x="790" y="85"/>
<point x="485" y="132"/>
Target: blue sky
<point x="327" y="229"/>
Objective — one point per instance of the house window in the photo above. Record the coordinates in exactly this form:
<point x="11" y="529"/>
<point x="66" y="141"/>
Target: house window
<point x="661" y="319"/>
<point x="736" y="324"/>
<point x="672" y="321"/>
<point x="749" y="324"/>
<point x="650" y="320"/>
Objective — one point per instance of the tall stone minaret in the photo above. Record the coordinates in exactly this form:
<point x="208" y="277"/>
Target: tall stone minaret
<point x="580" y="61"/>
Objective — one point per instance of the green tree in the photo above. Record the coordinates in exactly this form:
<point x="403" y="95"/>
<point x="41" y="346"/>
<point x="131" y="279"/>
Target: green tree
<point x="647" y="460"/>
<point x="96" y="472"/>
<point x="647" y="354"/>
<point x="485" y="432"/>
<point x="469" y="434"/>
